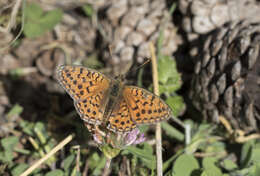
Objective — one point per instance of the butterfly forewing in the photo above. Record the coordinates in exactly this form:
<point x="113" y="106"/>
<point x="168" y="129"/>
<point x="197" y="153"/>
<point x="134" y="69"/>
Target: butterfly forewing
<point x="144" y="106"/>
<point x="89" y="90"/>
<point x="81" y="82"/>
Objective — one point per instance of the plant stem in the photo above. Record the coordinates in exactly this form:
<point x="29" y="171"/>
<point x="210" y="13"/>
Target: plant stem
<point x="158" y="125"/>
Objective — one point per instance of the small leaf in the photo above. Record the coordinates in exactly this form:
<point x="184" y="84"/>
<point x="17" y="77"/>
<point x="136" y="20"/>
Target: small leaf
<point x="172" y="132"/>
<point x="167" y="72"/>
<point x="9" y="142"/>
<point x="229" y="165"/>
<point x="255" y="155"/>
<point x="56" y="172"/>
<point x="185" y="165"/>
<point x="109" y="151"/>
<point x="255" y="170"/>
<point x="88" y="9"/>
<point x="27" y="127"/>
<point x="33" y="10"/>
<point x="212" y="171"/>
<point x="145" y="154"/>
<point x="246" y="153"/>
<point x="68" y="162"/>
<point x="16" y="110"/>
<point x="209" y="162"/>
<point x="37" y="22"/>
<point x="93" y="160"/>
<point x="19" y="169"/>
<point x="177" y="104"/>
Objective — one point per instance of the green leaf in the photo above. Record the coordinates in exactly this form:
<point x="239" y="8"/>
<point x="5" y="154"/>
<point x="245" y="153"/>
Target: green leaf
<point x="33" y="10"/>
<point x="209" y="162"/>
<point x="93" y="160"/>
<point x="93" y="62"/>
<point x="68" y="162"/>
<point x="27" y="127"/>
<point x="109" y="151"/>
<point x="172" y="132"/>
<point x="88" y="9"/>
<point x="229" y="165"/>
<point x="9" y="142"/>
<point x="16" y="110"/>
<point x="177" y="104"/>
<point x="37" y="22"/>
<point x="145" y="154"/>
<point x="19" y="169"/>
<point x="212" y="171"/>
<point x="255" y="170"/>
<point x="56" y="172"/>
<point x="255" y="155"/>
<point x="246" y="153"/>
<point x="210" y="168"/>
<point x="168" y="74"/>
<point x="185" y="165"/>
<point x="96" y="163"/>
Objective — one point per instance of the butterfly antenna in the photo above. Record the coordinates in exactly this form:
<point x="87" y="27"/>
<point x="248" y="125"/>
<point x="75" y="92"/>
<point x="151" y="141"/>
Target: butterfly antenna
<point x="140" y="66"/>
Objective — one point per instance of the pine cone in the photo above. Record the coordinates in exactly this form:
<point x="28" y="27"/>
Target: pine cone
<point x="129" y="25"/>
<point x="227" y="78"/>
<point x="203" y="16"/>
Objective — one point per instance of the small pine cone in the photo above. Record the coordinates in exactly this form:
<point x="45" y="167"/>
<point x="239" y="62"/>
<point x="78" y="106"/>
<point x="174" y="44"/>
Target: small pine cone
<point x="227" y="78"/>
<point x="129" y="25"/>
<point x="203" y="16"/>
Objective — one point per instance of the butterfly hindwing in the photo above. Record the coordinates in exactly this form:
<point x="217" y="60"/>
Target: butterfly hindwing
<point x="120" y="119"/>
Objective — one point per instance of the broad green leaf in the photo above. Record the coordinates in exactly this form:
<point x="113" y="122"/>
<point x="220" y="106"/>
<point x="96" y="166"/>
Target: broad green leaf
<point x="212" y="171"/>
<point x="18" y="170"/>
<point x="16" y="110"/>
<point x="94" y="159"/>
<point x="209" y="166"/>
<point x="33" y="11"/>
<point x="255" y="155"/>
<point x="109" y="151"/>
<point x="176" y="103"/>
<point x="38" y="22"/>
<point x="172" y="132"/>
<point x="167" y="73"/>
<point x="56" y="172"/>
<point x="96" y="163"/>
<point x="99" y="167"/>
<point x="246" y="153"/>
<point x="93" y="62"/>
<point x="185" y="165"/>
<point x="9" y="142"/>
<point x="209" y="162"/>
<point x="27" y="127"/>
<point x="255" y="170"/>
<point x="229" y="165"/>
<point x="145" y="154"/>
<point x="68" y="162"/>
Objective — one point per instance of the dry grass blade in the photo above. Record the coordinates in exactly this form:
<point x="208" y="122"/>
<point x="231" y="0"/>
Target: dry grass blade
<point x="48" y="155"/>
<point x="158" y="125"/>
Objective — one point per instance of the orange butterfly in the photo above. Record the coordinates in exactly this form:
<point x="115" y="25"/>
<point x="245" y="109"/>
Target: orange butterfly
<point x="101" y="100"/>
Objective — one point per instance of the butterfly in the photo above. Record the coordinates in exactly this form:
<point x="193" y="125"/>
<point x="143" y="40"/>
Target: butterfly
<point x="102" y="100"/>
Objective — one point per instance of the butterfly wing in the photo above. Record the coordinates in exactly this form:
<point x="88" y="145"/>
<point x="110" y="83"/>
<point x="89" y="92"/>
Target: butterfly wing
<point x="120" y="119"/>
<point x="144" y="106"/>
<point x="89" y="90"/>
<point x="137" y="106"/>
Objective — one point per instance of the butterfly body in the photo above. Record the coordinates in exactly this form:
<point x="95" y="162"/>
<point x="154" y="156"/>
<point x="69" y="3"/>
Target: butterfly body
<point x="105" y="101"/>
